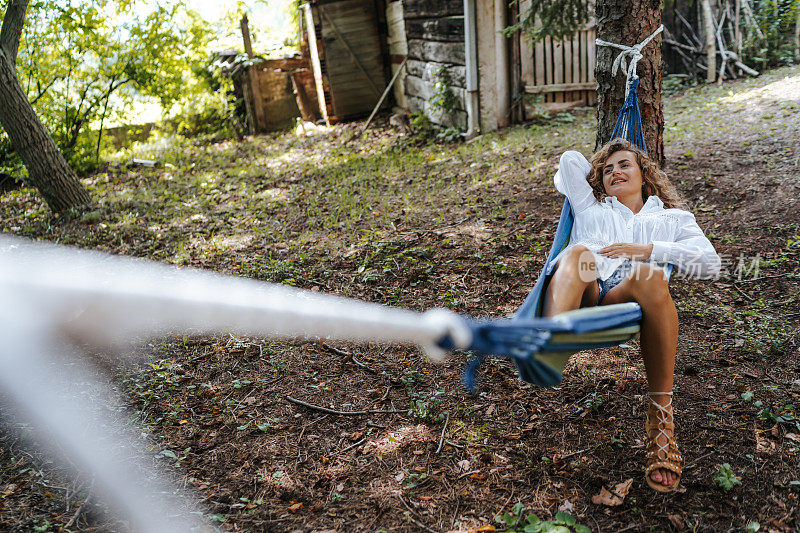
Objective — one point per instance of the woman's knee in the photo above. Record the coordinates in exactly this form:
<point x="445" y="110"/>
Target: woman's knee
<point x="577" y="263"/>
<point x="650" y="282"/>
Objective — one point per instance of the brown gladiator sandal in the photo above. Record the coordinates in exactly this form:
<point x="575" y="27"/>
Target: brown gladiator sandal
<point x="665" y="456"/>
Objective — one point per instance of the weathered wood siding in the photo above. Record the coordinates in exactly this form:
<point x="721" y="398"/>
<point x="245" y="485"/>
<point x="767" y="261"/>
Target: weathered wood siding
<point x="435" y="36"/>
<point x="350" y="54"/>
<point x="277" y="99"/>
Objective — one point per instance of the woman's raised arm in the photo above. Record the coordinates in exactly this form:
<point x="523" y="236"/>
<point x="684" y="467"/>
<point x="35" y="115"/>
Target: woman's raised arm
<point x="570" y="180"/>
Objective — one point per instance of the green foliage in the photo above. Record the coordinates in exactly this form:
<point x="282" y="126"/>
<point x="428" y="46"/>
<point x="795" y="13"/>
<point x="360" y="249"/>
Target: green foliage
<point x="83" y="64"/>
<point x="726" y="478"/>
<point x="674" y="83"/>
<point x="515" y="522"/>
<point x="443" y="102"/>
<point x="778" y="415"/>
<point x="558" y="19"/>
<point x="424" y="405"/>
<point x="449" y="135"/>
<point x="415" y="479"/>
<point x="443" y="98"/>
<point x="776" y="19"/>
<point x="564" y="118"/>
<point x="420" y="123"/>
<point x="211" y="107"/>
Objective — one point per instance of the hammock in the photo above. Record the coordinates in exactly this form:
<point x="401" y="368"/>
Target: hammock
<point x="540" y="347"/>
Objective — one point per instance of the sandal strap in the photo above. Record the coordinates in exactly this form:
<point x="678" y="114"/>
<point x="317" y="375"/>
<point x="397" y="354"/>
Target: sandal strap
<point x="667" y="455"/>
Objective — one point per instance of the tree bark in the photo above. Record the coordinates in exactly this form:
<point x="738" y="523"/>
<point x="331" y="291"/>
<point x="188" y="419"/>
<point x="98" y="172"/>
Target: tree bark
<point x="711" y="48"/>
<point x="47" y="169"/>
<point x="797" y="36"/>
<point x="629" y="23"/>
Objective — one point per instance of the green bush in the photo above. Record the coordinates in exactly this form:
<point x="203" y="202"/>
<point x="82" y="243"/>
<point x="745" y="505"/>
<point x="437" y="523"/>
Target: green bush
<point x="776" y="19"/>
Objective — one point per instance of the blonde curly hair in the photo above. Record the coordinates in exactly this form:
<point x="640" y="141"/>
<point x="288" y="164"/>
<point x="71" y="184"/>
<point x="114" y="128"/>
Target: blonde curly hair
<point x="654" y="180"/>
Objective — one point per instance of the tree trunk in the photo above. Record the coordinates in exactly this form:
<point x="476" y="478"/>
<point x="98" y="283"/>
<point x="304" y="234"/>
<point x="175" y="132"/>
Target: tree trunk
<point x="47" y="169"/>
<point x="711" y="48"/>
<point x="629" y="23"/>
<point x="797" y="36"/>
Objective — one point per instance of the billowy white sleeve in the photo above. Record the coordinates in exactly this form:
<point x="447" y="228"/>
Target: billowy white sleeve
<point x="691" y="252"/>
<point x="570" y="180"/>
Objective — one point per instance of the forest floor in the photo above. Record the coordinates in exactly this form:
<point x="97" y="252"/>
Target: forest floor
<point x="385" y="218"/>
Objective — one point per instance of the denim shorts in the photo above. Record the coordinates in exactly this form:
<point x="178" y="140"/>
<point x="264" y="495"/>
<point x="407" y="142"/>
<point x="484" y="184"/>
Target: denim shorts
<point x="617" y="277"/>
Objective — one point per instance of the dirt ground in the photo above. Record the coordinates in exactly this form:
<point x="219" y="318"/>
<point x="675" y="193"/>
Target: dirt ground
<point x="384" y="219"/>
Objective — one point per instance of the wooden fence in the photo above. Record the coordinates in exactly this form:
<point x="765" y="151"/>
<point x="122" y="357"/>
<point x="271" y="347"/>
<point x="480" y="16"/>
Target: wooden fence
<point x="560" y="71"/>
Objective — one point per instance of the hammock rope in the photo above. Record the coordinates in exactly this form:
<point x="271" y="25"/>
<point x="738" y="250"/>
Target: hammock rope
<point x="629" y="120"/>
<point x="629" y="53"/>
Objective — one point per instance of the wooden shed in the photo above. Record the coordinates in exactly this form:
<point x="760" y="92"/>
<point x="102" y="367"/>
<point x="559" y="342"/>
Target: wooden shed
<point x="493" y="78"/>
<point x="348" y="48"/>
<point x="275" y="91"/>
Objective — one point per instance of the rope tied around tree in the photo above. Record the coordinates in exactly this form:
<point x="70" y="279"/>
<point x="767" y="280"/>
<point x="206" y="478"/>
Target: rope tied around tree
<point x="629" y="53"/>
<point x="629" y="120"/>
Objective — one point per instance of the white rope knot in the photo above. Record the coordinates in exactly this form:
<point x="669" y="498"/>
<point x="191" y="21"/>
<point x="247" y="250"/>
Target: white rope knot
<point x="629" y="53"/>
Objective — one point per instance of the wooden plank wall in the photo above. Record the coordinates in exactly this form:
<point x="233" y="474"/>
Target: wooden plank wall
<point x="435" y="36"/>
<point x="277" y="97"/>
<point x="561" y="71"/>
<point x="349" y="91"/>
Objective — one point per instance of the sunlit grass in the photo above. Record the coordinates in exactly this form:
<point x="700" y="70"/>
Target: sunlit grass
<point x="316" y="191"/>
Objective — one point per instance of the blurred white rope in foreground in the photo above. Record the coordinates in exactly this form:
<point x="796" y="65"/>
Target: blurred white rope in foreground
<point x="56" y="300"/>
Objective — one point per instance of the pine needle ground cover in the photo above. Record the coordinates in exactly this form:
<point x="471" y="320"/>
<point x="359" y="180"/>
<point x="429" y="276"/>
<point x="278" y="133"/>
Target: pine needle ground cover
<point x="386" y="218"/>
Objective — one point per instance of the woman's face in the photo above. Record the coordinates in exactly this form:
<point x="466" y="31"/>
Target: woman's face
<point x="622" y="176"/>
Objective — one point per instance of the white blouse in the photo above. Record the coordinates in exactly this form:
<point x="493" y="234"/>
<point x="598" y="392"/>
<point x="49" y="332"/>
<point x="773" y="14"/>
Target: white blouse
<point x="674" y="233"/>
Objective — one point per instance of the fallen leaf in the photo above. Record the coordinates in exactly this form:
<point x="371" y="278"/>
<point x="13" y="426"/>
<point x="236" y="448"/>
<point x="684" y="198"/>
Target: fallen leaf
<point x="487" y="527"/>
<point x="612" y="499"/>
<point x="676" y="521"/>
<point x="296" y="507"/>
<point x="764" y="445"/>
<point x="9" y="490"/>
<point x="463" y="465"/>
<point x="793" y="436"/>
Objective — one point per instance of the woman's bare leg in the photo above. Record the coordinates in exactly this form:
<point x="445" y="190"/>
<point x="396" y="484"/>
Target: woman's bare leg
<point x="659" y="337"/>
<point x="573" y="284"/>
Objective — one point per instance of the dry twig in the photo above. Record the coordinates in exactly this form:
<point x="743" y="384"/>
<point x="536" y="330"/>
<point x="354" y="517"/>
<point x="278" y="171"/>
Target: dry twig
<point x="341" y="413"/>
<point x="414" y="513"/>
<point x="441" y="438"/>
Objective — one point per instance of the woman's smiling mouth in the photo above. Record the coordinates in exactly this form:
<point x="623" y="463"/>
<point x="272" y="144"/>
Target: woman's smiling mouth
<point x="618" y="180"/>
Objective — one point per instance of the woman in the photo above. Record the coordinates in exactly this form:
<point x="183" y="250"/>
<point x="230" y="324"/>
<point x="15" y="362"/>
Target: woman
<point x="627" y="219"/>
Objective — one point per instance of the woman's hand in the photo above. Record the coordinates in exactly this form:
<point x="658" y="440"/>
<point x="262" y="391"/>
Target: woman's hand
<point x="628" y="250"/>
